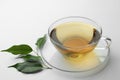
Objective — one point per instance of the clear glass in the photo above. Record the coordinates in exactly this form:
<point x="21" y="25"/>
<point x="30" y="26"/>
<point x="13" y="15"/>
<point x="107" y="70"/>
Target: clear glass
<point x="74" y="19"/>
<point x="54" y="60"/>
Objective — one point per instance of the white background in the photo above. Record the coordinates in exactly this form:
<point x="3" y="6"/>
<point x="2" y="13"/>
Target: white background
<point x="23" y="21"/>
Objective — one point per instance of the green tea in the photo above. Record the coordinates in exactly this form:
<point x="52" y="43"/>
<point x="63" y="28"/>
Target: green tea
<point x="74" y="38"/>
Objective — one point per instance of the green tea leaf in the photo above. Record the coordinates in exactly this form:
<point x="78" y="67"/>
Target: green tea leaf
<point x="41" y="41"/>
<point x="31" y="64"/>
<point x="28" y="67"/>
<point x="31" y="58"/>
<point x="19" y="49"/>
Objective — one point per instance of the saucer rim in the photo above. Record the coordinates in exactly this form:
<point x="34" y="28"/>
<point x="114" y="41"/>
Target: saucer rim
<point x="53" y="67"/>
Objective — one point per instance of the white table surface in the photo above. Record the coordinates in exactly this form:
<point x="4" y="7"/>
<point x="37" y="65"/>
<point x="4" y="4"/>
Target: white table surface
<point x="23" y="21"/>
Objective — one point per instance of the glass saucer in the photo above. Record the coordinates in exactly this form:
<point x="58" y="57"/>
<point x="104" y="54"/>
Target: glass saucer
<point x="94" y="61"/>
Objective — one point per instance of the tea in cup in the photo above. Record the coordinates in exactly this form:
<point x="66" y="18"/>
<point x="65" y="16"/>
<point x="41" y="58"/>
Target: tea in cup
<point x="75" y="36"/>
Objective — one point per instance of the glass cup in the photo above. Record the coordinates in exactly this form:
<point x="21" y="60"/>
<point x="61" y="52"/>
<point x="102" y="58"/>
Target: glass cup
<point x="74" y="36"/>
<point x="75" y="46"/>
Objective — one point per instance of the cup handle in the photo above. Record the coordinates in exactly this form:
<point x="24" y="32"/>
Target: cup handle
<point x="107" y="40"/>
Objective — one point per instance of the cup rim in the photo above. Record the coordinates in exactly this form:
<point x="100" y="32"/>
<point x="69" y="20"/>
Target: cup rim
<point x="49" y="31"/>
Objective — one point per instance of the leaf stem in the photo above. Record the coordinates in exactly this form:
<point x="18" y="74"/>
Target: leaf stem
<point x="36" y="53"/>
